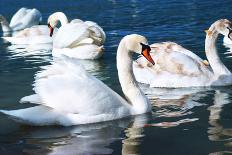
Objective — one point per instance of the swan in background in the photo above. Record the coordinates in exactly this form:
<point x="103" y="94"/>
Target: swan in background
<point x="38" y="34"/>
<point x="178" y="67"/>
<point x="69" y="95"/>
<point x="23" y="18"/>
<point x="77" y="39"/>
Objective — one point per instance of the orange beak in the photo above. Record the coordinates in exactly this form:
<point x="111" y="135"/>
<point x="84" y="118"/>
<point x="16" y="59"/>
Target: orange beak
<point x="146" y="53"/>
<point x="51" y="29"/>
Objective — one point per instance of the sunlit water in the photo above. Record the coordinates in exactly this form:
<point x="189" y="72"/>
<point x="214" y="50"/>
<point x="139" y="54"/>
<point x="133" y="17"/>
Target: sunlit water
<point x="183" y="121"/>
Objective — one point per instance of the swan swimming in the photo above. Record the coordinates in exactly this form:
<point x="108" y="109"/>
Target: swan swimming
<point x="178" y="67"/>
<point x="76" y="39"/>
<point x="68" y="95"/>
<point x="23" y="18"/>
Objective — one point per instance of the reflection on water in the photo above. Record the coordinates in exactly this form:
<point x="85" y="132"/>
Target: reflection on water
<point x="41" y="53"/>
<point x="36" y="54"/>
<point x="174" y="103"/>
<point x="86" y="139"/>
<point x="229" y="50"/>
<point x="180" y="122"/>
<point x="217" y="131"/>
<point x="134" y="134"/>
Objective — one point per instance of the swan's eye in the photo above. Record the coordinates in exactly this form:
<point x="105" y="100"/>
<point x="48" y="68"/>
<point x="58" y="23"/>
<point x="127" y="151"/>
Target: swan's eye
<point x="230" y="32"/>
<point x="144" y="46"/>
<point x="49" y="25"/>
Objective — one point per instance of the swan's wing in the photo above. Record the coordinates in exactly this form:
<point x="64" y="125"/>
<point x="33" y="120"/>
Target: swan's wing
<point x="173" y="58"/>
<point x="76" y="21"/>
<point x="172" y="69"/>
<point x="39" y="116"/>
<point x="18" y="16"/>
<point x="30" y="17"/>
<point x="70" y="34"/>
<point x="174" y="47"/>
<point x="36" y="30"/>
<point x="38" y="34"/>
<point x="98" y="32"/>
<point x="66" y="86"/>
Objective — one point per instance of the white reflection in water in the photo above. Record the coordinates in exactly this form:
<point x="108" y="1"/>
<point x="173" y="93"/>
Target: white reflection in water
<point x="40" y="53"/>
<point x="37" y="53"/>
<point x="218" y="132"/>
<point x="228" y="45"/>
<point x="88" y="139"/>
<point x="174" y="103"/>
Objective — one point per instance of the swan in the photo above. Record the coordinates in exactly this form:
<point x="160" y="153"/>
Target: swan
<point x="77" y="39"/>
<point x="22" y="19"/>
<point x="68" y="95"/>
<point x="179" y="67"/>
<point x="38" y="34"/>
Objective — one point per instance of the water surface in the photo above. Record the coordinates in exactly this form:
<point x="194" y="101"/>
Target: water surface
<point x="183" y="121"/>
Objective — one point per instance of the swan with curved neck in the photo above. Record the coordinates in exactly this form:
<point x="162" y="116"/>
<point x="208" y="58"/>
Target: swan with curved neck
<point x="223" y="27"/>
<point x="23" y="18"/>
<point x="77" y="39"/>
<point x="70" y="96"/>
<point x="54" y="19"/>
<point x="179" y="67"/>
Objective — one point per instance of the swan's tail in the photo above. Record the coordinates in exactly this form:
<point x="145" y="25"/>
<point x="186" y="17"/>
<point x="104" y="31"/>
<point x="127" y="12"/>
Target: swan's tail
<point x="37" y="116"/>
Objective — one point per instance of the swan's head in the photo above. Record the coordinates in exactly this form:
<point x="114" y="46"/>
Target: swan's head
<point x="224" y="27"/>
<point x="53" y="20"/>
<point x="138" y="44"/>
<point x="52" y="23"/>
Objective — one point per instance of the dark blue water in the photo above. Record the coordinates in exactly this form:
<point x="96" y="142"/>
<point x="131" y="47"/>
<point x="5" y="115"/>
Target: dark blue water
<point x="186" y="121"/>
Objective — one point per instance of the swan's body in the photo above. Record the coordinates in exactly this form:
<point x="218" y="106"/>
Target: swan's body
<point x="77" y="39"/>
<point x="75" y="97"/>
<point x="38" y="34"/>
<point x="179" y="67"/>
<point x="23" y="18"/>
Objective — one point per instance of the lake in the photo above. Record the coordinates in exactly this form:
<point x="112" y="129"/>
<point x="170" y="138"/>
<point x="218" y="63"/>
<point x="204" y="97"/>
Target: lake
<point x="186" y="121"/>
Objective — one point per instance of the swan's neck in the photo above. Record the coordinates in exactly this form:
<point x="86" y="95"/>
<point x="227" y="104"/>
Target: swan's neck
<point x="5" y="25"/>
<point x="59" y="16"/>
<point x="212" y="55"/>
<point x="128" y="83"/>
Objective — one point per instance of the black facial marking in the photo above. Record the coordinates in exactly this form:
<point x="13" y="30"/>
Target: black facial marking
<point x="145" y="47"/>
<point x="230" y="31"/>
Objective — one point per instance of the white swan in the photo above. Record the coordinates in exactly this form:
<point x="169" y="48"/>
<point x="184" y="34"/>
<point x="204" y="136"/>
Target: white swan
<point x="38" y="34"/>
<point x="71" y="96"/>
<point x="22" y="19"/>
<point x="77" y="39"/>
<point x="179" y="67"/>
